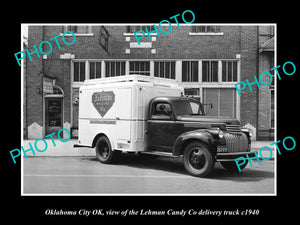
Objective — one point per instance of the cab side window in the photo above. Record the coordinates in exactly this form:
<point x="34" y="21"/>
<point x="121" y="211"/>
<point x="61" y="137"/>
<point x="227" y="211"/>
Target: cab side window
<point x="161" y="110"/>
<point x="195" y="107"/>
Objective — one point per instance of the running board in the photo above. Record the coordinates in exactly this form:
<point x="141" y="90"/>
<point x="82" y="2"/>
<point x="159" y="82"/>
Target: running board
<point x="165" y="154"/>
<point x="81" y="146"/>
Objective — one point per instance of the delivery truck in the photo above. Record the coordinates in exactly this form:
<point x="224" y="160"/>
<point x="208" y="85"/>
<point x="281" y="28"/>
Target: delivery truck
<point x="149" y="115"/>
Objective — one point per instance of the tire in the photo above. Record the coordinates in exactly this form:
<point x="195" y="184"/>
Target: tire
<point x="104" y="152"/>
<point x="198" y="160"/>
<point x="232" y="167"/>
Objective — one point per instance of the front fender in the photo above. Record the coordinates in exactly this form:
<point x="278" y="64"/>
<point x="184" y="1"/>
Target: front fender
<point x="204" y="136"/>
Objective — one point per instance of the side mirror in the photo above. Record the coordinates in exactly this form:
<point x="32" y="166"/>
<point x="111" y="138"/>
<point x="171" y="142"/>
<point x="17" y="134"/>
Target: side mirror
<point x="208" y="107"/>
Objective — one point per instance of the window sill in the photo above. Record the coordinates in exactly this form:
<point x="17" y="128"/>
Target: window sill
<point x="190" y="82"/>
<point x="79" y="35"/>
<point x="138" y="34"/>
<point x="205" y="34"/>
<point x="77" y="84"/>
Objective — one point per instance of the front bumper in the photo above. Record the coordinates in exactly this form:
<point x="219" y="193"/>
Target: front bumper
<point x="221" y="157"/>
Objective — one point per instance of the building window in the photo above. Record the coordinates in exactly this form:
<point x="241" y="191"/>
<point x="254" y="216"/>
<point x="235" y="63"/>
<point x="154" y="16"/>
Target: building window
<point x="210" y="71"/>
<point x="79" y="71"/>
<point x="272" y="64"/>
<point x="114" y="68"/>
<point x="205" y="29"/>
<point x="222" y="99"/>
<point x="229" y="71"/>
<point x="79" y="29"/>
<point x="272" y="108"/>
<point x="95" y="70"/>
<point x="139" y="68"/>
<point x="104" y="37"/>
<point x="189" y="71"/>
<point x="193" y="93"/>
<point x="164" y="69"/>
<point x="133" y="29"/>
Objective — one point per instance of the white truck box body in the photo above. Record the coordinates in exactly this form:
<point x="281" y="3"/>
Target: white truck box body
<point x="118" y="108"/>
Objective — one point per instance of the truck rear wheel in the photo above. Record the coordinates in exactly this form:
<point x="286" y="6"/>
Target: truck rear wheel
<point x="104" y="152"/>
<point x="198" y="160"/>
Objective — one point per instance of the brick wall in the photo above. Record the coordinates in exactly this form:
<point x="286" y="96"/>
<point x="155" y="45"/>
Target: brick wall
<point x="264" y="104"/>
<point x="177" y="44"/>
<point x="264" y="92"/>
<point x="34" y="78"/>
<point x="60" y="69"/>
<point x="52" y="66"/>
<point x="248" y="71"/>
<point x="266" y="62"/>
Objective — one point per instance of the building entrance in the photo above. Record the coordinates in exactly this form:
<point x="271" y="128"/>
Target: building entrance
<point x="54" y="113"/>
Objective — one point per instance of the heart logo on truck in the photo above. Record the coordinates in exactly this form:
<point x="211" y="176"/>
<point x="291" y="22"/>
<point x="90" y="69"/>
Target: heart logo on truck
<point x="103" y="101"/>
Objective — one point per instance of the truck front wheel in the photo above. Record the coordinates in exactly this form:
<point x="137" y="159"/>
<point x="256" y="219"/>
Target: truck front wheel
<point x="198" y="160"/>
<point x="104" y="152"/>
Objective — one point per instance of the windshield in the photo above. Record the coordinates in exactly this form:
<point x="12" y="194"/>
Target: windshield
<point x="187" y="107"/>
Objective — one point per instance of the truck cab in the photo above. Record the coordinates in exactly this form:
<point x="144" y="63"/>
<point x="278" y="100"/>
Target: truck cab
<point x="147" y="115"/>
<point x="179" y="126"/>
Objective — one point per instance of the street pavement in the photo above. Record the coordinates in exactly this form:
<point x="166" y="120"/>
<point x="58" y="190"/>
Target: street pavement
<point x="139" y="175"/>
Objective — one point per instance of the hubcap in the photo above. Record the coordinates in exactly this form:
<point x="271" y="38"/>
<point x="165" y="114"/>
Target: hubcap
<point x="104" y="151"/>
<point x="197" y="158"/>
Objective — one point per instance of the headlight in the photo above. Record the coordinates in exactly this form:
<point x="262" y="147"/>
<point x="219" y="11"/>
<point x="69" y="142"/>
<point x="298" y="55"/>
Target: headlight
<point x="216" y="132"/>
<point x="221" y="134"/>
<point x="248" y="130"/>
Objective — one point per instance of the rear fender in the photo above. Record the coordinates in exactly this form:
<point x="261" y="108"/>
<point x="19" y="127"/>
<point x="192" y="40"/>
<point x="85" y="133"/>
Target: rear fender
<point x="103" y="134"/>
<point x="203" y="136"/>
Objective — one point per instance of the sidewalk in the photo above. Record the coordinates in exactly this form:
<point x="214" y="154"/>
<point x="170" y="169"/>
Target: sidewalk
<point x="67" y="149"/>
<point x="61" y="148"/>
<point x="257" y="145"/>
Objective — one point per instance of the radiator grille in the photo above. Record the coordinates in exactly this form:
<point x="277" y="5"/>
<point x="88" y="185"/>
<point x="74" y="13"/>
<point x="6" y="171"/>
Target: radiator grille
<point x="233" y="143"/>
<point x="233" y="128"/>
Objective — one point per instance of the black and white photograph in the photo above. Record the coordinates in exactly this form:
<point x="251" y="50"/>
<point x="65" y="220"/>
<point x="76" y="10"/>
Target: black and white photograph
<point x="147" y="117"/>
<point x="171" y="116"/>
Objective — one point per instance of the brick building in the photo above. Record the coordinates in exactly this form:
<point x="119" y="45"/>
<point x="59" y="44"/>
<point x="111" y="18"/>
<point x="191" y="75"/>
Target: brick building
<point x="207" y="60"/>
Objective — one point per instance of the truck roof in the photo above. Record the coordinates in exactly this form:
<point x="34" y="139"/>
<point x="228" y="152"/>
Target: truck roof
<point x="132" y="78"/>
<point x="170" y="98"/>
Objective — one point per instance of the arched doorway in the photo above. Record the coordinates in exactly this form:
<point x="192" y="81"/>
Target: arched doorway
<point x="54" y="110"/>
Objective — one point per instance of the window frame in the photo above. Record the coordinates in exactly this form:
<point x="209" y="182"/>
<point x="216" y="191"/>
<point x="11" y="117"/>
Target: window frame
<point x="114" y="65"/>
<point x="69" y="28"/>
<point x="210" y="72"/>
<point x="95" y="69"/>
<point x="79" y="71"/>
<point x="190" y="75"/>
<point x="272" y="109"/>
<point x="129" y="30"/>
<point x="235" y="112"/>
<point x="132" y="29"/>
<point x="226" y="62"/>
<point x="171" y="69"/>
<point x="161" y="117"/>
<point x="195" y="30"/>
<point x="139" y="72"/>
